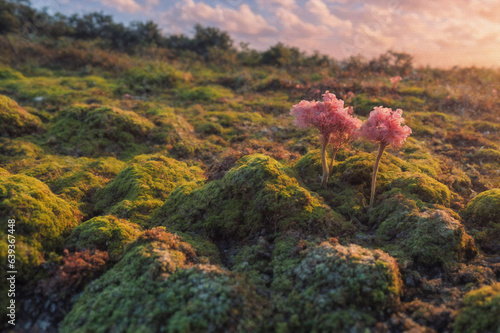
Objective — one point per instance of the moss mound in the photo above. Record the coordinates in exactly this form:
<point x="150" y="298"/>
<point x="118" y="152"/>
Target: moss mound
<point x="105" y="233"/>
<point x="42" y="221"/>
<point x="143" y="186"/>
<point x="257" y="195"/>
<point x="17" y="153"/>
<point x="16" y="121"/>
<point x="423" y="187"/>
<point x="481" y="311"/>
<point x="157" y="286"/>
<point x="75" y="179"/>
<point x="429" y="237"/>
<point x="41" y="216"/>
<point x="482" y="216"/>
<point x="334" y="288"/>
<point x="95" y="130"/>
<point x="484" y="209"/>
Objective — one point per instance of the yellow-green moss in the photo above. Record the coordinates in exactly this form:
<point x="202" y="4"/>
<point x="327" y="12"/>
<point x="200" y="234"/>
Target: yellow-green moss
<point x="423" y="187"/>
<point x="484" y="209"/>
<point x="95" y="130"/>
<point x="41" y="216"/>
<point x="481" y="311"/>
<point x="16" y="121"/>
<point x="257" y="195"/>
<point x="105" y="233"/>
<point x="429" y="123"/>
<point x="143" y="186"/>
<point x="482" y="217"/>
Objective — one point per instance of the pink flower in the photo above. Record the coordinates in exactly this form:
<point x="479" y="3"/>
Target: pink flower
<point x="334" y="122"/>
<point x="395" y="80"/>
<point x="386" y="127"/>
<point x="328" y="117"/>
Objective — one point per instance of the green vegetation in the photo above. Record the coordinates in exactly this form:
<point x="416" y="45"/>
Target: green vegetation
<point x="16" y="121"/>
<point x="158" y="285"/>
<point x="481" y="311"/>
<point x="482" y="216"/>
<point x="97" y="130"/>
<point x="143" y="186"/>
<point x="256" y="195"/>
<point x="335" y="288"/>
<point x="105" y="233"/>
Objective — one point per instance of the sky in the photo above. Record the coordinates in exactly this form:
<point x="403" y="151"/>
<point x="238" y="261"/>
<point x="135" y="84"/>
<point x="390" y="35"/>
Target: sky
<point x="440" y="33"/>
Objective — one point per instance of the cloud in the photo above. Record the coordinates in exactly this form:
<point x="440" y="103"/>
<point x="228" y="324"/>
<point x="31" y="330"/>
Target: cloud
<point x="281" y="3"/>
<point x="242" y="21"/>
<point x="432" y="31"/>
<point x="129" y="6"/>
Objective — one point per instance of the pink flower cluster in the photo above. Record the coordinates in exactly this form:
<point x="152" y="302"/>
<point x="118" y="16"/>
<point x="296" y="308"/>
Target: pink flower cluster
<point x="386" y="127"/>
<point x="334" y="122"/>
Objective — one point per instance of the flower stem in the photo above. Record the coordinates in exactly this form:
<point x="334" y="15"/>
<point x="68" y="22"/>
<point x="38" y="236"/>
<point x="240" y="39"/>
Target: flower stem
<point x="381" y="148"/>
<point x="324" y="179"/>
<point x="334" y="152"/>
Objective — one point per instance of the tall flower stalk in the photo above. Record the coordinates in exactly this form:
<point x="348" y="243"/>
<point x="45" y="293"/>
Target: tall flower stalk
<point x="385" y="127"/>
<point x="334" y="122"/>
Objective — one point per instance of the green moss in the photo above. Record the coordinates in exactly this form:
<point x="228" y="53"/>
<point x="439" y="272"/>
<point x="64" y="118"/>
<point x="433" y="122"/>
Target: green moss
<point x="364" y="103"/>
<point x="337" y="288"/>
<point x="423" y="187"/>
<point x="205" y="94"/>
<point x="417" y="91"/>
<point x="429" y="238"/>
<point x="154" y="77"/>
<point x="484" y="209"/>
<point x="8" y="74"/>
<point x="105" y="233"/>
<point x="16" y="121"/>
<point x="174" y="133"/>
<point x="488" y="155"/>
<point x="256" y="195"/>
<point x="41" y="216"/>
<point x="74" y="179"/>
<point x="438" y="238"/>
<point x="18" y="153"/>
<point x="99" y="130"/>
<point x="480" y="312"/>
<point x="143" y="186"/>
<point x="429" y="123"/>
<point x="358" y="169"/>
<point x="42" y="220"/>
<point x="158" y="286"/>
<point x="482" y="216"/>
<point x="309" y="166"/>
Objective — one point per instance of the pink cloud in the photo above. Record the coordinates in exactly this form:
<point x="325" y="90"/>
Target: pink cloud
<point x="129" y="6"/>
